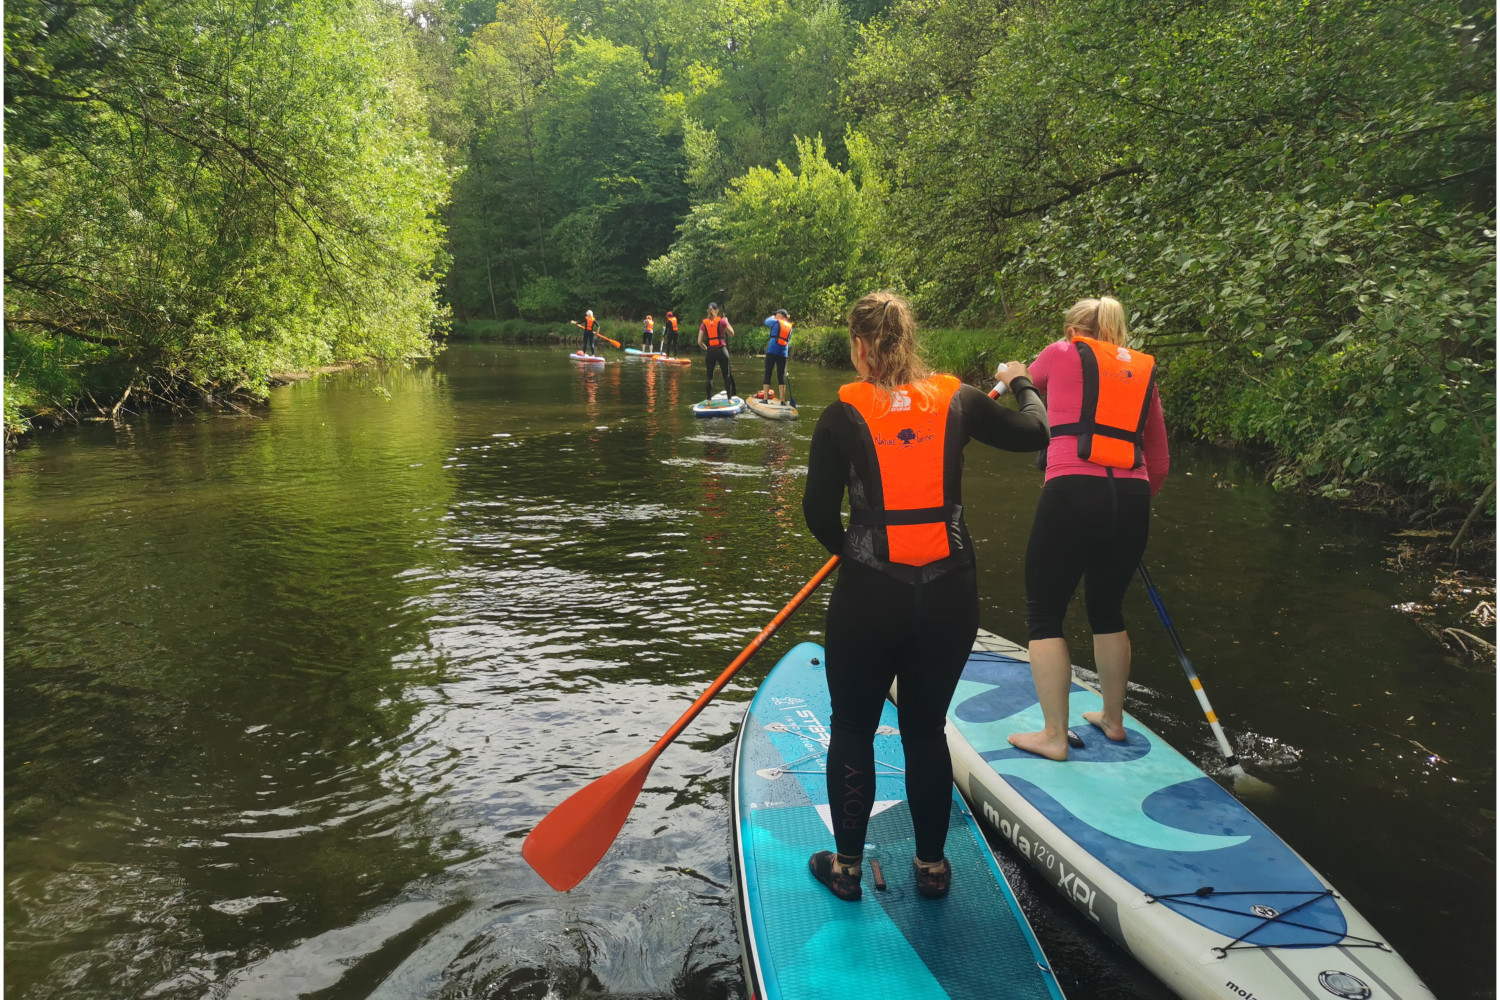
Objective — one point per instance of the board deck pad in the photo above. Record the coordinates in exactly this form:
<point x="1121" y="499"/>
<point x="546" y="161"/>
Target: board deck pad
<point x="801" y="941"/>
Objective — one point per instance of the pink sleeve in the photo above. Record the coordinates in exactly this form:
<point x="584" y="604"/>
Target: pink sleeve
<point x="1158" y="459"/>
<point x="1041" y="369"/>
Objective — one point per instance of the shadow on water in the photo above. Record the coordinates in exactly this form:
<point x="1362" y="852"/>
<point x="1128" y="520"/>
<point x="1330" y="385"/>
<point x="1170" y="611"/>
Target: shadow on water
<point x="285" y="693"/>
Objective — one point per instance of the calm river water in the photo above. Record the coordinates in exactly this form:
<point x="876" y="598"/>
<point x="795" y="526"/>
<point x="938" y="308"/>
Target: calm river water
<point x="284" y="692"/>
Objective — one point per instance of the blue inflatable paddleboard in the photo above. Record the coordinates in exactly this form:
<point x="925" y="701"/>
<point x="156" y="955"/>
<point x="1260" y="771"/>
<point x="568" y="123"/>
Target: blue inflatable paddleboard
<point x="798" y="940"/>
<point x="1157" y="854"/>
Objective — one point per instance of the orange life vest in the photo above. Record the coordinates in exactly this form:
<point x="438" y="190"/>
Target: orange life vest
<point x="650" y="326"/>
<point x="588" y="323"/>
<point x="673" y="320"/>
<point x="911" y="511"/>
<point x="1117" y="385"/>
<point x="783" y="332"/>
<point x="714" y="330"/>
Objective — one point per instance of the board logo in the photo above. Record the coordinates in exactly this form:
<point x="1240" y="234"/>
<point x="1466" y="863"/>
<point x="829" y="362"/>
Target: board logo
<point x="1240" y="993"/>
<point x="1099" y="906"/>
<point x="1264" y="912"/>
<point x="1341" y="984"/>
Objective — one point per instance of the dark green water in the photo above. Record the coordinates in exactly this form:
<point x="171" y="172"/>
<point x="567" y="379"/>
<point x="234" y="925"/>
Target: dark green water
<point x="284" y="692"/>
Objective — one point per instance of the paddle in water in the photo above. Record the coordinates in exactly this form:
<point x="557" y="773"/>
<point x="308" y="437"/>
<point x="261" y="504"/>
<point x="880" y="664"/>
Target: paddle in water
<point x="569" y="841"/>
<point x="1244" y="783"/>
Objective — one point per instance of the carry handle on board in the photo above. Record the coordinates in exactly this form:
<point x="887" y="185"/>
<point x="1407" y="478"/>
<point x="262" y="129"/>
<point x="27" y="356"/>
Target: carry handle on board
<point x="571" y="839"/>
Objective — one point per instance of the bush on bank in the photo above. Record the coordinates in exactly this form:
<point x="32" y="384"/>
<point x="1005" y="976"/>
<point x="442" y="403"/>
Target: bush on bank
<point x="185" y="217"/>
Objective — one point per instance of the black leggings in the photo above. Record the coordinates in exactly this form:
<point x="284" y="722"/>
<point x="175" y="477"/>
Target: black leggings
<point x="1089" y="527"/>
<point x="778" y="363"/>
<point x="588" y="342"/>
<point x="879" y="629"/>
<point x="718" y="356"/>
<point x="670" y="347"/>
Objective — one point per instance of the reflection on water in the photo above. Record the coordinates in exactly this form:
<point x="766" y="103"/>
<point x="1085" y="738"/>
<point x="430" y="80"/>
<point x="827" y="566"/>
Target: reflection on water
<point x="284" y="692"/>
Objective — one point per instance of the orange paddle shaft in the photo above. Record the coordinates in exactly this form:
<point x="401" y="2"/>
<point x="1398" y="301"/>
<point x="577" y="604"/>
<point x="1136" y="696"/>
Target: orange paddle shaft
<point x="571" y="839"/>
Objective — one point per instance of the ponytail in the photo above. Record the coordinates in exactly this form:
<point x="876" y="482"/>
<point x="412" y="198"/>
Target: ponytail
<point x="1099" y="319"/>
<point x="883" y="322"/>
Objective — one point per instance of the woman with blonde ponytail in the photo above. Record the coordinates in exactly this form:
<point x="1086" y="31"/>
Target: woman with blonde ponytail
<point x="1107" y="459"/>
<point x="906" y="605"/>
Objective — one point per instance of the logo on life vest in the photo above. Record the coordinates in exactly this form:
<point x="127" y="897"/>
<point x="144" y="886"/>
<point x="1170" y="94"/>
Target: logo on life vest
<point x="1122" y="355"/>
<point x="907" y="435"/>
<point x="900" y="401"/>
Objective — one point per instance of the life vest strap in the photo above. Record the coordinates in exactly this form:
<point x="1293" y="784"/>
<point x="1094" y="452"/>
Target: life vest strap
<point x="1101" y="430"/>
<point x="916" y="515"/>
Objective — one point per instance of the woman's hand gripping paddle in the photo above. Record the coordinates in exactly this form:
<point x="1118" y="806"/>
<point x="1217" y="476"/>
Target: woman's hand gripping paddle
<point x="569" y="841"/>
<point x="1243" y="783"/>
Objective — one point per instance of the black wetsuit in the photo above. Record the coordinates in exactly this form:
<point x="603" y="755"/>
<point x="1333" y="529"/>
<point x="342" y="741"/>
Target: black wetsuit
<point x="880" y="627"/>
<point x="670" y="347"/>
<point x="718" y="356"/>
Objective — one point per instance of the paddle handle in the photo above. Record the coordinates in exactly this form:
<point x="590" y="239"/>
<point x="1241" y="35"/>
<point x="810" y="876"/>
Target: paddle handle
<point x="745" y="654"/>
<point x="1187" y="667"/>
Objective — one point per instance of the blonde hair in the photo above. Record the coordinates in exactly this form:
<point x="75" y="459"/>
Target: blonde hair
<point x="883" y="321"/>
<point x="1099" y="319"/>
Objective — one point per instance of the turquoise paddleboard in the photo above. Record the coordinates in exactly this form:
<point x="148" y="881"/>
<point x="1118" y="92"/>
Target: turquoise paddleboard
<point x="1157" y="854"/>
<point x="719" y="406"/>
<point x="798" y="940"/>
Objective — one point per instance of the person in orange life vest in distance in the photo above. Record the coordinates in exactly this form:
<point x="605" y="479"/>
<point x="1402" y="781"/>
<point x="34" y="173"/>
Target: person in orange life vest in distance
<point x="906" y="604"/>
<point x="670" y="347"/>
<point x="713" y="336"/>
<point x="648" y="335"/>
<point x="776" y="351"/>
<point x="589" y="328"/>
<point x="1107" y="459"/>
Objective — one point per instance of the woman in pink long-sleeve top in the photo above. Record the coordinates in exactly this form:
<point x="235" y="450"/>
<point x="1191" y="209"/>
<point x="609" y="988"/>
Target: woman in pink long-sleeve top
<point x="1107" y="459"/>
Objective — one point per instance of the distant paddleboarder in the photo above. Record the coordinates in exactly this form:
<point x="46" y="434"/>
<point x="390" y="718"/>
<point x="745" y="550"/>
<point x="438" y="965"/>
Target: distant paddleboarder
<point x="780" y="325"/>
<point x="713" y="336"/>
<point x="648" y="335"/>
<point x="589" y="328"/>
<point x="670" y="347"/>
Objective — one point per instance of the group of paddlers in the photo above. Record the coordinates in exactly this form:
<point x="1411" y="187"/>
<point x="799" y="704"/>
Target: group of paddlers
<point x="713" y="337"/>
<point x="905" y="607"/>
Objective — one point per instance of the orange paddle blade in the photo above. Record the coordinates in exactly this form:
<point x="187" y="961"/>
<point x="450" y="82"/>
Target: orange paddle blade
<point x="572" y="838"/>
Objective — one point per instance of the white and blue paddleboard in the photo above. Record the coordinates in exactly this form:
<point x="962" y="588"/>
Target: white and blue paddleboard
<point x="720" y="406"/>
<point x="589" y="358"/>
<point x="1157" y="854"/>
<point x="801" y="942"/>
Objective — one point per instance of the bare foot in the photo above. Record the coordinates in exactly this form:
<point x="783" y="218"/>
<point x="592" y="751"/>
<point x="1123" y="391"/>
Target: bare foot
<point x="1116" y="733"/>
<point x="1041" y="744"/>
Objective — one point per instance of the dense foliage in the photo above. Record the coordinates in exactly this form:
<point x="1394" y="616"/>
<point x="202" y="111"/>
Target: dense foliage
<point x="585" y="128"/>
<point x="1295" y="200"/>
<point x="199" y="194"/>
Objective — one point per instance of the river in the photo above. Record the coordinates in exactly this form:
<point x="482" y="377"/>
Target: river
<point x="285" y="691"/>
